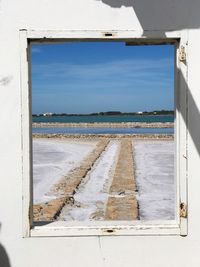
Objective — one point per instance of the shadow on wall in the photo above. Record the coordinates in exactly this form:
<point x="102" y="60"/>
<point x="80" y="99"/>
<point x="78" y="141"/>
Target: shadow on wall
<point x="162" y="14"/>
<point x="192" y="119"/>
<point x="4" y="260"/>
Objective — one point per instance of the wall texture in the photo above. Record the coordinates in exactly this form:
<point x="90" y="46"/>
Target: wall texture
<point x="98" y="15"/>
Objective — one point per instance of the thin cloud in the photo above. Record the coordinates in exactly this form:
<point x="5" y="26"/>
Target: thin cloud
<point x="36" y="50"/>
<point x="125" y="68"/>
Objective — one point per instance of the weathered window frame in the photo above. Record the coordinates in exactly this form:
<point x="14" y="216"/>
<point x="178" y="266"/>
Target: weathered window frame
<point x="176" y="227"/>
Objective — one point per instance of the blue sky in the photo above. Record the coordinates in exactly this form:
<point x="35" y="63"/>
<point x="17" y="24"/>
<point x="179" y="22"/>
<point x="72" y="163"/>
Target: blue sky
<point x="86" y="77"/>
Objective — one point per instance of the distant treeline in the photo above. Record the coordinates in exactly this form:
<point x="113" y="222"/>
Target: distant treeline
<point x="112" y="113"/>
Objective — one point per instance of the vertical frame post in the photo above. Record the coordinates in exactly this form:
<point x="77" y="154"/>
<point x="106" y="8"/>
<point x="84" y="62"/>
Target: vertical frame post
<point x="26" y="133"/>
<point x="182" y="110"/>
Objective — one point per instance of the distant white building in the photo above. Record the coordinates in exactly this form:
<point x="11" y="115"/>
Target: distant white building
<point x="47" y="114"/>
<point x="140" y="112"/>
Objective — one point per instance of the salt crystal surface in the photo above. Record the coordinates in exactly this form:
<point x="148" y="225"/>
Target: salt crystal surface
<point x="154" y="163"/>
<point x="51" y="160"/>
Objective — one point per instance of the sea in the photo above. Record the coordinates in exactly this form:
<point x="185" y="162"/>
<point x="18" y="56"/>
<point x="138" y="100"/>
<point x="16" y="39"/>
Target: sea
<point x="105" y="118"/>
<point x="103" y="130"/>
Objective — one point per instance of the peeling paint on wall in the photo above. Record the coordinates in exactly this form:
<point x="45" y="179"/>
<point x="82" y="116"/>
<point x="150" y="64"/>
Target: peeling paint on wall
<point x="5" y="80"/>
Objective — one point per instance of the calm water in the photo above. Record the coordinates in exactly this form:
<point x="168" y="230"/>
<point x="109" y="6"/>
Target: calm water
<point x="83" y="130"/>
<point x="88" y="119"/>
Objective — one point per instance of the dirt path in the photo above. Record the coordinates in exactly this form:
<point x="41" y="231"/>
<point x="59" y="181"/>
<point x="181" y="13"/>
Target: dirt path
<point x="67" y="186"/>
<point x="122" y="204"/>
<point x="92" y="194"/>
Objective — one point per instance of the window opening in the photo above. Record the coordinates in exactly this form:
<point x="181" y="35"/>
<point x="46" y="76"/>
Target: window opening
<point x="103" y="132"/>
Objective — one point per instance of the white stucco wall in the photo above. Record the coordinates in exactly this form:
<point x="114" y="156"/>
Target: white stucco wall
<point x="101" y="15"/>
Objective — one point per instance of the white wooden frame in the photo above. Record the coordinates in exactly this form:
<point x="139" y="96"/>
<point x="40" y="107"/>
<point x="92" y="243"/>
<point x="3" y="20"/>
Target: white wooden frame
<point x="175" y="227"/>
